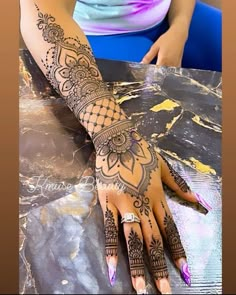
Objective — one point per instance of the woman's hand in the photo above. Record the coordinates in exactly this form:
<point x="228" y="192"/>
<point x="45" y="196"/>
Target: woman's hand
<point x="168" y="49"/>
<point x="129" y="179"/>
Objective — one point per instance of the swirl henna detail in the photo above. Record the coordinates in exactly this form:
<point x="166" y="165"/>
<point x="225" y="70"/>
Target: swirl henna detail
<point x="72" y="71"/>
<point x="124" y="157"/>
<point x="125" y="154"/>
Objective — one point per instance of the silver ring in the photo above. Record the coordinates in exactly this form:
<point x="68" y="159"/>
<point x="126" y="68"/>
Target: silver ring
<point x="130" y="217"/>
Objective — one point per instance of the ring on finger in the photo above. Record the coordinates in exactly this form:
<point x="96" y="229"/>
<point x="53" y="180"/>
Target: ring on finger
<point x="130" y="217"/>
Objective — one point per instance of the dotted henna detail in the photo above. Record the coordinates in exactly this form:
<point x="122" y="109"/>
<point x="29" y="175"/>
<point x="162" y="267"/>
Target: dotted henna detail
<point x="72" y="71"/>
<point x="129" y="162"/>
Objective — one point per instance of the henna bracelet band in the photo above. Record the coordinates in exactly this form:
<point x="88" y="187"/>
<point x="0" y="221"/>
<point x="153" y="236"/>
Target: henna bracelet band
<point x="102" y="136"/>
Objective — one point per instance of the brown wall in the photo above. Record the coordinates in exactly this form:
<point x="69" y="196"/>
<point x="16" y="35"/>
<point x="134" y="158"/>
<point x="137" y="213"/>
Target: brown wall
<point x="216" y="3"/>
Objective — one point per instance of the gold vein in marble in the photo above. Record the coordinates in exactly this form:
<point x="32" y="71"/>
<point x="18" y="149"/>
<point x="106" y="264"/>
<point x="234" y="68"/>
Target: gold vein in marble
<point x="200" y="122"/>
<point x="26" y="76"/>
<point x="126" y="97"/>
<point x="129" y="96"/>
<point x="192" y="162"/>
<point x="202" y="167"/>
<point x="74" y="253"/>
<point x="44" y="215"/>
<point x="173" y="121"/>
<point x="69" y="210"/>
<point x="166" y="105"/>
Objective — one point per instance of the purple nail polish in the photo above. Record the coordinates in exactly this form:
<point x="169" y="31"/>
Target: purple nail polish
<point x="202" y="202"/>
<point x="185" y="274"/>
<point x="112" y="274"/>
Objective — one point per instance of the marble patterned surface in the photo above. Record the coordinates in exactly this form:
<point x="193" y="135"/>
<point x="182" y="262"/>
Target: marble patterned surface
<point x="61" y="224"/>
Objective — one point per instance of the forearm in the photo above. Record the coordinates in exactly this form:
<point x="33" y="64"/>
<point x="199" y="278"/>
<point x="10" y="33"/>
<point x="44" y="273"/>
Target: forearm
<point x="62" y="51"/>
<point x="180" y="15"/>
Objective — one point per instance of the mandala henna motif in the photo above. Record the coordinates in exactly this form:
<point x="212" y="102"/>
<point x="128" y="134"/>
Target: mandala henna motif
<point x="157" y="259"/>
<point x="126" y="154"/>
<point x="178" y="179"/>
<point x="136" y="262"/>
<point x="72" y="71"/>
<point x="173" y="237"/>
<point x="129" y="161"/>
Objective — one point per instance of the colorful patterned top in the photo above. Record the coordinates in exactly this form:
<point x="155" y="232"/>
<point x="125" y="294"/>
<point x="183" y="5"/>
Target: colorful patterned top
<point x="104" y="17"/>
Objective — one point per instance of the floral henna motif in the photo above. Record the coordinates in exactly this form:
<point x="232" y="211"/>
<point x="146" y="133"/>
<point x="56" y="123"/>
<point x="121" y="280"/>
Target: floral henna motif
<point x="178" y="179"/>
<point x="173" y="237"/>
<point x="157" y="259"/>
<point x="136" y="262"/>
<point x="126" y="159"/>
<point x="126" y="154"/>
<point x="72" y="71"/>
<point x="111" y="234"/>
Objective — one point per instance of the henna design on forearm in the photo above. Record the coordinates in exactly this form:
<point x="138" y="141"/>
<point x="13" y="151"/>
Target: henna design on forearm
<point x="111" y="233"/>
<point x="177" y="178"/>
<point x="135" y="251"/>
<point x="173" y="237"/>
<point x="71" y="69"/>
<point x="157" y="259"/>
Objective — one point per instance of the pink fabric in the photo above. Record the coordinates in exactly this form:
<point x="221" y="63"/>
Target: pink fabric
<point x="103" y="17"/>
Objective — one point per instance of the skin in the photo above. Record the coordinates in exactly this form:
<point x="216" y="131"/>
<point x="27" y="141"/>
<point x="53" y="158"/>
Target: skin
<point x="141" y="171"/>
<point x="169" y="47"/>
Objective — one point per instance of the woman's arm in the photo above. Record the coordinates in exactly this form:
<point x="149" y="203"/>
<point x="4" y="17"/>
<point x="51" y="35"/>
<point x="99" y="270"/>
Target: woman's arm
<point x="63" y="53"/>
<point x="169" y="47"/>
<point x="180" y="15"/>
<point x="123" y="157"/>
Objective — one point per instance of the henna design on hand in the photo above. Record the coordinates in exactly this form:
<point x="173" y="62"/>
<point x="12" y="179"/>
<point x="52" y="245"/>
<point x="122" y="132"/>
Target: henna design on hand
<point x="177" y="178"/>
<point x="135" y="254"/>
<point x="71" y="69"/>
<point x="126" y="154"/>
<point x="173" y="237"/>
<point x="111" y="234"/>
<point x="129" y="161"/>
<point x="157" y="259"/>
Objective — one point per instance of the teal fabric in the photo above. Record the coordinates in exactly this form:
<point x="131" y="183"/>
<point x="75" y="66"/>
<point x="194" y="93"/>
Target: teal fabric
<point x="203" y="49"/>
<point x="103" y="17"/>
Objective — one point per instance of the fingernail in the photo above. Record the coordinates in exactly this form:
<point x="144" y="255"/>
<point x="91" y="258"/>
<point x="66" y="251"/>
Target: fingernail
<point x="112" y="273"/>
<point x="164" y="286"/>
<point x="111" y="263"/>
<point x="140" y="285"/>
<point x="202" y="202"/>
<point x="185" y="274"/>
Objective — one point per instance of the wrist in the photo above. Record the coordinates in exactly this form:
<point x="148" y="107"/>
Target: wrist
<point x="111" y="131"/>
<point x="180" y="28"/>
<point x="101" y="113"/>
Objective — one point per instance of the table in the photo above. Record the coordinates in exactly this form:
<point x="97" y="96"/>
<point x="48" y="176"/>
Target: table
<point x="61" y="226"/>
